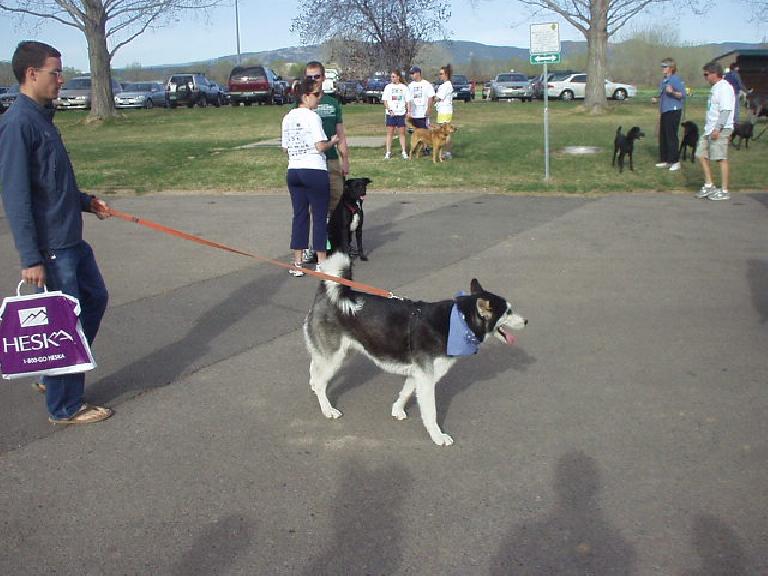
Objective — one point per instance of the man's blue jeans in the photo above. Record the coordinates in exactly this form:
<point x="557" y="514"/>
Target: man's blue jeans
<point x="74" y="271"/>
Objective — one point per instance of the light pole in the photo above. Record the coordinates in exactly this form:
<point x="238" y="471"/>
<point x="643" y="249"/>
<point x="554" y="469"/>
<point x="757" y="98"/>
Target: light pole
<point x="237" y="32"/>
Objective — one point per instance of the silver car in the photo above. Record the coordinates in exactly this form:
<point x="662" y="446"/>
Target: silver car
<point x="141" y="95"/>
<point x="511" y="85"/>
<point x="76" y="94"/>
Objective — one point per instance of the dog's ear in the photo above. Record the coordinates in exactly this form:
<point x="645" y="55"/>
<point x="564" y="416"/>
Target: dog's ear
<point x="484" y="308"/>
<point x="475" y="288"/>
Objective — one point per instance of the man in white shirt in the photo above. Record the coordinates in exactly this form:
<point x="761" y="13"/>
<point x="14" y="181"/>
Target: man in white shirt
<point x="420" y="104"/>
<point x="718" y="126"/>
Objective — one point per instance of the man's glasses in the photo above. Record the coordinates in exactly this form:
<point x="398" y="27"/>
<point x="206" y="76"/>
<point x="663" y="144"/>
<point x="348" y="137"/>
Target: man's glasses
<point x="313" y="76"/>
<point x="57" y="73"/>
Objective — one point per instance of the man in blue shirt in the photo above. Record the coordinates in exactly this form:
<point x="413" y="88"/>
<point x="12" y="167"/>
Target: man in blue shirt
<point x="43" y="205"/>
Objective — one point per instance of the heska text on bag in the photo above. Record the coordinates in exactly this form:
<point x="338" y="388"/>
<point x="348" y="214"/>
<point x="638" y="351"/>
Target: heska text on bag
<point x="34" y="342"/>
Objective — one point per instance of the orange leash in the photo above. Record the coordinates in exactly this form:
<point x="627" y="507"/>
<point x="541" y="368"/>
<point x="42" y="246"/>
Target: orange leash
<point x="192" y="238"/>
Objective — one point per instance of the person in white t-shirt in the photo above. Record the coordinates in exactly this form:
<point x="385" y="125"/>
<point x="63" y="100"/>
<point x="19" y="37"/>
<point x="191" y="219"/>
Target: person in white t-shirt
<point x="421" y="95"/>
<point x="395" y="99"/>
<point x="305" y="142"/>
<point x="444" y="104"/>
<point x="718" y="127"/>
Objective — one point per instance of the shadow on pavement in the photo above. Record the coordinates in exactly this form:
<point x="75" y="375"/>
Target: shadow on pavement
<point x="366" y="527"/>
<point x="574" y="539"/>
<point x="757" y="278"/>
<point x="718" y="547"/>
<point x="217" y="547"/>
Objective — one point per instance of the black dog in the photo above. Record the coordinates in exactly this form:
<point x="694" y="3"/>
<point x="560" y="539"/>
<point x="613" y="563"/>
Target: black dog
<point x="744" y="131"/>
<point x="348" y="217"/>
<point x="624" y="144"/>
<point x="690" y="139"/>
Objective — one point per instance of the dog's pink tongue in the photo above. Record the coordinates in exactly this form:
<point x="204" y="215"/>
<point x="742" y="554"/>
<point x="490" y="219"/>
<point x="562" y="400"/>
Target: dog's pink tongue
<point x="509" y="337"/>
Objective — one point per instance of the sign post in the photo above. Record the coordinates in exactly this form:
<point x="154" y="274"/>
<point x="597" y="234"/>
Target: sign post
<point x="545" y="49"/>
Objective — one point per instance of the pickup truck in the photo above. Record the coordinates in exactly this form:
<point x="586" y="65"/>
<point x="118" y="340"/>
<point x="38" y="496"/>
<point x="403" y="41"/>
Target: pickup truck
<point x="374" y="86"/>
<point x="349" y="91"/>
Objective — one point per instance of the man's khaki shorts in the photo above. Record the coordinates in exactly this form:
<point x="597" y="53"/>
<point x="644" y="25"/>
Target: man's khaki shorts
<point x="337" y="183"/>
<point x="714" y="149"/>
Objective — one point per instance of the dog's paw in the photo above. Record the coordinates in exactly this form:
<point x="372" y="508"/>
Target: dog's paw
<point x="332" y="413"/>
<point x="442" y="439"/>
<point x="398" y="413"/>
<point x="363" y="257"/>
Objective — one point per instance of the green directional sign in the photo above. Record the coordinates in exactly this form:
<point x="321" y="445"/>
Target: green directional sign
<point x="552" y="58"/>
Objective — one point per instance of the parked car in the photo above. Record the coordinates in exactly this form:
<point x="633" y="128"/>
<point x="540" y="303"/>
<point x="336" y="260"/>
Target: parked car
<point x="249" y="84"/>
<point x="619" y="91"/>
<point x="7" y="97"/>
<point x="190" y="89"/>
<point x="223" y="95"/>
<point x="539" y="83"/>
<point x="141" y="95"/>
<point x="511" y="85"/>
<point x="349" y="91"/>
<point x="374" y="86"/>
<point x="462" y="88"/>
<point x="573" y="86"/>
<point x="76" y="93"/>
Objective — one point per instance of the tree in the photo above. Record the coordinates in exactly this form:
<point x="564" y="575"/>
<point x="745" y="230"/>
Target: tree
<point x="388" y="32"/>
<point x="115" y="21"/>
<point x="598" y="20"/>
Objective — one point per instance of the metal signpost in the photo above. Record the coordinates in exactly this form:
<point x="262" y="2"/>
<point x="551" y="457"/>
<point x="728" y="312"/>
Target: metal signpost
<point x="545" y="49"/>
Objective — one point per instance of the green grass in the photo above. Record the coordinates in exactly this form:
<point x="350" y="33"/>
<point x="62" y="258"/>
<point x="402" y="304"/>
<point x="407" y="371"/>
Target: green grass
<point x="499" y="147"/>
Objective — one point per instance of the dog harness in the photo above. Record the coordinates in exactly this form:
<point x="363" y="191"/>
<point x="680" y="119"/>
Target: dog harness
<point x="461" y="340"/>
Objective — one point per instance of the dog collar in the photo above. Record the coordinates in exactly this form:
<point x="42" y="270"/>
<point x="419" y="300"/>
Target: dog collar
<point x="461" y="340"/>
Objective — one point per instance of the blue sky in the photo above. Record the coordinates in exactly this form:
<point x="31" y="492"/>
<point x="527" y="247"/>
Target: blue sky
<point x="264" y="25"/>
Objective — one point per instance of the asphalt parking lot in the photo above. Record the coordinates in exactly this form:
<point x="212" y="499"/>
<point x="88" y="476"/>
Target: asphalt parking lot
<point x="624" y="433"/>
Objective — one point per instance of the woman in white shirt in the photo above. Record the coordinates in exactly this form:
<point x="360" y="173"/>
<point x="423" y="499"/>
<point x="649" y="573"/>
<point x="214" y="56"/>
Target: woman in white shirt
<point x="444" y="103"/>
<point x="305" y="142"/>
<point x="395" y="99"/>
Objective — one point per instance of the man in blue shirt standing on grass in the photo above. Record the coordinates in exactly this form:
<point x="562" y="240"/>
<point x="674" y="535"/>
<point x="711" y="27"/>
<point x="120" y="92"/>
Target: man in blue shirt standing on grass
<point x="44" y="208"/>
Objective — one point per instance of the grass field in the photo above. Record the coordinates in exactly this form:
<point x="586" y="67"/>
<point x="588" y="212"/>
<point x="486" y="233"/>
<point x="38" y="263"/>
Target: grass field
<point x="499" y="147"/>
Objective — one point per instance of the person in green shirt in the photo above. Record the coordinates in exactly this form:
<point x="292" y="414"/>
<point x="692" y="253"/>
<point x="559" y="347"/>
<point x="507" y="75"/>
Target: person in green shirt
<point x="337" y="158"/>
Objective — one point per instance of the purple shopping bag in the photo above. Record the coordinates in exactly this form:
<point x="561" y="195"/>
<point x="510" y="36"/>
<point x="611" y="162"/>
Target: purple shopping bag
<point x="41" y="334"/>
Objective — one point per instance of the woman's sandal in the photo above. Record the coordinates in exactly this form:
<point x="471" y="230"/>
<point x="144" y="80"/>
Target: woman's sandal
<point x="88" y="414"/>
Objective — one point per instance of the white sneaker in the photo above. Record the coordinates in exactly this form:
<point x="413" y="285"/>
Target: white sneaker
<point x="674" y="167"/>
<point x="706" y="190"/>
<point x="405" y="155"/>
<point x="295" y="272"/>
<point x="662" y="165"/>
<point x="720" y="195"/>
<point x="387" y="156"/>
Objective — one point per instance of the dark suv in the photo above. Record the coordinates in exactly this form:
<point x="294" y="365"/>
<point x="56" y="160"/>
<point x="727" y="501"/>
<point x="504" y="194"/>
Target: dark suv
<point x="462" y="88"/>
<point x="191" y="88"/>
<point x="249" y="84"/>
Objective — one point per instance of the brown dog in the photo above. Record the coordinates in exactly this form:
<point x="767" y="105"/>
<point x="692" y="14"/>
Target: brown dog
<point x="435" y="138"/>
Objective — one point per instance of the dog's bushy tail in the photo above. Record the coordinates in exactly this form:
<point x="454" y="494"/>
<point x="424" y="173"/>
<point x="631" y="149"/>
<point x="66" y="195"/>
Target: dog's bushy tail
<point x="341" y="295"/>
<point x="618" y="131"/>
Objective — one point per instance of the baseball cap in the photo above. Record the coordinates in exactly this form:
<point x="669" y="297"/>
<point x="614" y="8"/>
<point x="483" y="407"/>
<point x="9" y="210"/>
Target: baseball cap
<point x="414" y="69"/>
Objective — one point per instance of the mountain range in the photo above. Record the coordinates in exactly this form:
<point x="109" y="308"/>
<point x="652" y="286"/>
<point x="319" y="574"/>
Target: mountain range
<point x="460" y="51"/>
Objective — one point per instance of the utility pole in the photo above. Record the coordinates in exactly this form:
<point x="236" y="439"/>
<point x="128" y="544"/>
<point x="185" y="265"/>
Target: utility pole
<point x="237" y="32"/>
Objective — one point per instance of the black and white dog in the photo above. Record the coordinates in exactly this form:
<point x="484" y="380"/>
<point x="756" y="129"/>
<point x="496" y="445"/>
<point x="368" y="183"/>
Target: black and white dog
<point x="624" y="145"/>
<point x="348" y="218"/>
<point x="413" y="339"/>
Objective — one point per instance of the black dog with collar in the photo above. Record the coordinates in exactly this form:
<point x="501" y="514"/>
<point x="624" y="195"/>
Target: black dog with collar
<point x="348" y="218"/>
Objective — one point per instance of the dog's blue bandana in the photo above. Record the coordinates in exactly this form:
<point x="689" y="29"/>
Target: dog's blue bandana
<point x="461" y="340"/>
